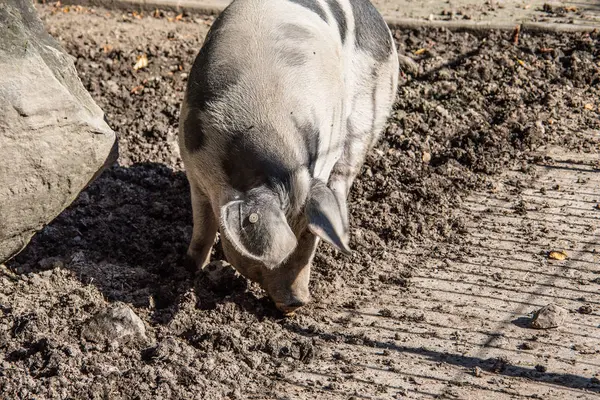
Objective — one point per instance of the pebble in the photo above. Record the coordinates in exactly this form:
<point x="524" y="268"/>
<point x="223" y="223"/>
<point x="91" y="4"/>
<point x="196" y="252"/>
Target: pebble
<point x="586" y="309"/>
<point x="541" y="368"/>
<point x="550" y="316"/>
<point x="114" y="325"/>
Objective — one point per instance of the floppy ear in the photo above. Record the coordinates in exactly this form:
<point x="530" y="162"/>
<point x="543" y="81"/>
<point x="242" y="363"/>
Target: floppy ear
<point x="326" y="214"/>
<point x="258" y="229"/>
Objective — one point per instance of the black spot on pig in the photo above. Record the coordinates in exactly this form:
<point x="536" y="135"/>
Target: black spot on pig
<point x="313" y="6"/>
<point x="371" y="32"/>
<point x="251" y="160"/>
<point x="340" y="17"/>
<point x="295" y="32"/>
<point x="310" y="136"/>
<point x="203" y="88"/>
<point x="292" y="57"/>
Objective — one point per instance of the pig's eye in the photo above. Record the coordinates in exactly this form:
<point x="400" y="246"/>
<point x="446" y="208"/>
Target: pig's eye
<point x="253" y="218"/>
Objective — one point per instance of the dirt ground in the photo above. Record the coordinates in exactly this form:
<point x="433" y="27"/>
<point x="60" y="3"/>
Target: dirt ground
<point x="490" y="161"/>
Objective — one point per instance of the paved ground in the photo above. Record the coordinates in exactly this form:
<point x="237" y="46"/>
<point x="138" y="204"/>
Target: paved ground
<point x="497" y="12"/>
<point x="502" y="276"/>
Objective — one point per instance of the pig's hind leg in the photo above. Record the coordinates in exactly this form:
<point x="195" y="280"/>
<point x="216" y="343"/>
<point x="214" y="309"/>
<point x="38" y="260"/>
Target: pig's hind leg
<point x="205" y="230"/>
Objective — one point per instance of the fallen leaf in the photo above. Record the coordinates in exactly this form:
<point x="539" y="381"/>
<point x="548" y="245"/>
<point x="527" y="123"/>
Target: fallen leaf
<point x="557" y="255"/>
<point x="137" y="89"/>
<point x="521" y="62"/>
<point x="420" y="51"/>
<point x="179" y="17"/>
<point x="516" y="33"/>
<point x="572" y="9"/>
<point x="142" y="62"/>
<point x="546" y="50"/>
<point x="589" y="106"/>
<point x="107" y="48"/>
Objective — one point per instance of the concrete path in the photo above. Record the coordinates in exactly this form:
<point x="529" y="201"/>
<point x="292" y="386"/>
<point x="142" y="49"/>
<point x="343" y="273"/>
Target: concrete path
<point x="462" y="329"/>
<point x="505" y="14"/>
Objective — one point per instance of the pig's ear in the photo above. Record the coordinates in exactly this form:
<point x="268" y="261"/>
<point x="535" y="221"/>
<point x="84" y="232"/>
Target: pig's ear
<point x="258" y="229"/>
<point x="326" y="214"/>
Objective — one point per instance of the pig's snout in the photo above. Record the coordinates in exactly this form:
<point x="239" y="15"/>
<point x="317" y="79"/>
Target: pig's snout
<point x="288" y="286"/>
<point x="289" y="307"/>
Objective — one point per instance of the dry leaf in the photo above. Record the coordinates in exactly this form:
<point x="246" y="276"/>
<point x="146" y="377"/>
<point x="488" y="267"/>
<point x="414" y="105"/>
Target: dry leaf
<point x="557" y="255"/>
<point x="107" y="48"/>
<point x="589" y="106"/>
<point x="179" y="17"/>
<point x="521" y="62"/>
<point x="516" y="33"/>
<point x="137" y="89"/>
<point x="142" y="62"/>
<point x="420" y="51"/>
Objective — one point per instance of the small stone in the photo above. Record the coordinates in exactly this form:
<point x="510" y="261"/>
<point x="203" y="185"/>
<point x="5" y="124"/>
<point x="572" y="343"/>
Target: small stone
<point x="527" y="346"/>
<point x="114" y="325"/>
<point x="477" y="372"/>
<point x="550" y="316"/>
<point x="426" y="157"/>
<point x="585" y="309"/>
<point x="541" y="368"/>
<point x="385" y="312"/>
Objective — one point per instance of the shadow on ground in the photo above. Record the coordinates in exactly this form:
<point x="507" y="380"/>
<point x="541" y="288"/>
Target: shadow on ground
<point x="126" y="234"/>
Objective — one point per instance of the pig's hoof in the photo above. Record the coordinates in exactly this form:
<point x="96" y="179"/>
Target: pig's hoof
<point x="290" y="309"/>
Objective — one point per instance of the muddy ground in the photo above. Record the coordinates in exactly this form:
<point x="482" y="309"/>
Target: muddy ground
<point x="478" y="105"/>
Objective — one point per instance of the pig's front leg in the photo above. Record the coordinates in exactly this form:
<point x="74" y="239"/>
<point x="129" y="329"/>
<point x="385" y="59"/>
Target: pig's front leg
<point x="205" y="230"/>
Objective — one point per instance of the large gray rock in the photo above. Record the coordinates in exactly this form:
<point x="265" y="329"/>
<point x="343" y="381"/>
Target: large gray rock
<point x="53" y="137"/>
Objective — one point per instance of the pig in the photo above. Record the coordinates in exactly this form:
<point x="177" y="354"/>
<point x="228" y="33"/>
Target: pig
<point x="282" y="104"/>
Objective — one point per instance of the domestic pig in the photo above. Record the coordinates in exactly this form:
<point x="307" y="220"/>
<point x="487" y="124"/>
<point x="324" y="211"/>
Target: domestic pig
<point x="283" y="102"/>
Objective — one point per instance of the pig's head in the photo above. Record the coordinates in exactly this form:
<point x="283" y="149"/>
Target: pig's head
<point x="270" y="236"/>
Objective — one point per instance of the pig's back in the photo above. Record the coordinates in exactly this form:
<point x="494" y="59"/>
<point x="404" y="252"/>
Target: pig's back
<point x="282" y="75"/>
